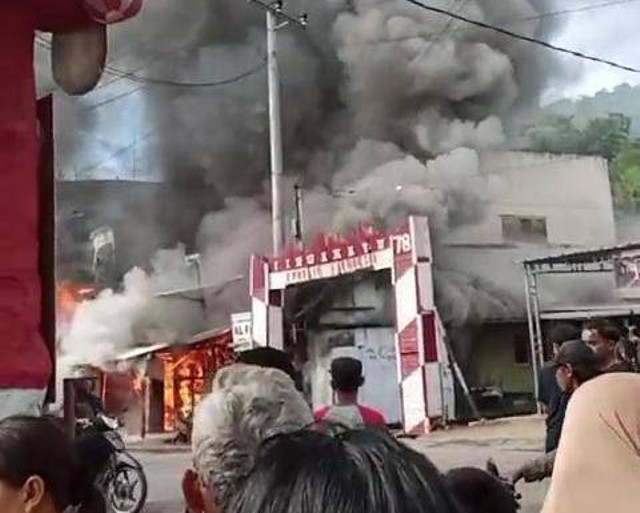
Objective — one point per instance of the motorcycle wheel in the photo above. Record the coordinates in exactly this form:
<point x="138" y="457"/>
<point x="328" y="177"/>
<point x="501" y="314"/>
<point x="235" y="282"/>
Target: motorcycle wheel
<point x="127" y="489"/>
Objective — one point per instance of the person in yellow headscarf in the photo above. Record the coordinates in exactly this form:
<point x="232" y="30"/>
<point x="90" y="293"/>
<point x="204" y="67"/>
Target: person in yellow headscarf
<point x="597" y="466"/>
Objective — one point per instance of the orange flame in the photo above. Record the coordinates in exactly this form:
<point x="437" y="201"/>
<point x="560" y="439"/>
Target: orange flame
<point x="70" y="295"/>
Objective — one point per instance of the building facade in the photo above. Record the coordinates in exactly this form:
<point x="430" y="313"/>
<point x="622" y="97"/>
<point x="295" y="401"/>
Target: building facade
<point x="542" y="203"/>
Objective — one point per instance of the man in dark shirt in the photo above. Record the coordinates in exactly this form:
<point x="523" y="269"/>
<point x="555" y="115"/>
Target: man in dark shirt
<point x="555" y="402"/>
<point x="574" y="364"/>
<point x="550" y="395"/>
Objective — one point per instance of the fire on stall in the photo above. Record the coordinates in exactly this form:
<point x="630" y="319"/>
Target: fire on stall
<point x="188" y="371"/>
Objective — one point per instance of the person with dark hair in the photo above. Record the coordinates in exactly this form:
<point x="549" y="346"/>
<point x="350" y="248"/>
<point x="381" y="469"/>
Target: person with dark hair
<point x="271" y="358"/>
<point x="360" y="471"/>
<point x="550" y="395"/>
<point x="575" y="364"/>
<point x="87" y="404"/>
<point x="477" y="491"/>
<point x="39" y="470"/>
<point x="604" y="337"/>
<point x="346" y="380"/>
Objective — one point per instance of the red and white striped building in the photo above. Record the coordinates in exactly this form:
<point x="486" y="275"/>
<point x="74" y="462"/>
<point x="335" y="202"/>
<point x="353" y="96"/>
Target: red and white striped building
<point x="421" y="379"/>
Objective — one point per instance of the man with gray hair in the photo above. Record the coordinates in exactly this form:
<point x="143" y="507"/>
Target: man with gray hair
<point x="247" y="405"/>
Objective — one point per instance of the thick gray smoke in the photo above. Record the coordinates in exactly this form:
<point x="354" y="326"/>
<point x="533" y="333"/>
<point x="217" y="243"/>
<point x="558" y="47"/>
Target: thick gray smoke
<point x="385" y="107"/>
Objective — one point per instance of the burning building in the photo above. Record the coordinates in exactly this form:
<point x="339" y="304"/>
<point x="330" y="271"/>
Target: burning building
<point x="155" y="389"/>
<point x="171" y="379"/>
<point x="388" y="112"/>
<point x="328" y="308"/>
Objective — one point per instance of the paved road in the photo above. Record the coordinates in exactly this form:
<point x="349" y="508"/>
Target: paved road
<point x="164" y="474"/>
<point x="164" y="471"/>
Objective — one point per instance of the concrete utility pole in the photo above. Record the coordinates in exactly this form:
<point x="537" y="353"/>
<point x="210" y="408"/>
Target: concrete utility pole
<point x="298" y="226"/>
<point x="277" y="18"/>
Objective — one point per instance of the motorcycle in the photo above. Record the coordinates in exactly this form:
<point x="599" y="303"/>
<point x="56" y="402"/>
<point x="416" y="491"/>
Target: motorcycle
<point x="121" y="478"/>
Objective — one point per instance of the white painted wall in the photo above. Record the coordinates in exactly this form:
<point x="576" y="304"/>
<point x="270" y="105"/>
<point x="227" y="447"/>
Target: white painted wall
<point x="375" y="348"/>
<point x="572" y="192"/>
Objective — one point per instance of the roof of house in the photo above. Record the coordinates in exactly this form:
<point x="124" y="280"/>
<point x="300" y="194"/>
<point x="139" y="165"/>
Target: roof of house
<point x="583" y="256"/>
<point x="138" y="352"/>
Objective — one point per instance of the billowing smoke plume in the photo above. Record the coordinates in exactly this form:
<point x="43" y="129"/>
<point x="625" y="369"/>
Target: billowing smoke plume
<point x="385" y="108"/>
<point x="104" y="328"/>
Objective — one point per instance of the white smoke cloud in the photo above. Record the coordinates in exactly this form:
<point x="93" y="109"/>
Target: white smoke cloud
<point x="115" y="321"/>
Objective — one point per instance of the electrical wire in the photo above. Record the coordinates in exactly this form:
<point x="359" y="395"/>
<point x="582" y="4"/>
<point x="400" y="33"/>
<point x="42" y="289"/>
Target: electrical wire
<point x="521" y="37"/>
<point x="171" y="83"/>
<point x="115" y="98"/>
<point x="573" y="10"/>
<point x="510" y="21"/>
<point x="449" y="25"/>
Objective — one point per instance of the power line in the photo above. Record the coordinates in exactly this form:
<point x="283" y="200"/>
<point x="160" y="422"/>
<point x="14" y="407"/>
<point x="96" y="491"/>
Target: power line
<point x="522" y="37"/>
<point x="113" y="98"/>
<point x="584" y="8"/>
<point x="449" y="25"/>
<point x="510" y="21"/>
<point x="171" y="83"/>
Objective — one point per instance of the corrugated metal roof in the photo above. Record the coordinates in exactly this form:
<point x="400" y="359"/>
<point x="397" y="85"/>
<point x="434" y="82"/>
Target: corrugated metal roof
<point x="585" y="256"/>
<point x="138" y="352"/>
<point x="198" y="293"/>
<point x="591" y="311"/>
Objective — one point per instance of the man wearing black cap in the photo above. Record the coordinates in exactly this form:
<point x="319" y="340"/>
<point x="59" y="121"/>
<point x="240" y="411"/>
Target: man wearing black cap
<point x="346" y="380"/>
<point x="575" y="364"/>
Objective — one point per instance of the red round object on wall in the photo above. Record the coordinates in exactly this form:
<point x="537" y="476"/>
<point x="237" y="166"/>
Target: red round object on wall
<point x="112" y="11"/>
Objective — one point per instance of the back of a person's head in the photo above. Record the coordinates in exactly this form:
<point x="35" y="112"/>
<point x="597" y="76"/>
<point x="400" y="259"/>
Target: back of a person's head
<point x="269" y="357"/>
<point x="478" y="491"/>
<point x="354" y="472"/>
<point x="582" y="359"/>
<point x="346" y="374"/>
<point x="247" y="405"/>
<point x="562" y="332"/>
<point x="38" y="448"/>
<point x="607" y="330"/>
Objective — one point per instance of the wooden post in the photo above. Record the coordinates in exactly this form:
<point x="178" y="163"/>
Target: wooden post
<point x="69" y="403"/>
<point x="146" y="406"/>
<point x="46" y="235"/>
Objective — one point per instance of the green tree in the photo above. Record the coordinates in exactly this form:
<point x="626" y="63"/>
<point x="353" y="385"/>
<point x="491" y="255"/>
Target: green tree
<point x="607" y="137"/>
<point x="626" y="174"/>
<point x="558" y="135"/>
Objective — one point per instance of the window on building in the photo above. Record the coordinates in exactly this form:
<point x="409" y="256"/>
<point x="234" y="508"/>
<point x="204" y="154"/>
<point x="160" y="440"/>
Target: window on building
<point x="522" y="352"/>
<point x="524" y="229"/>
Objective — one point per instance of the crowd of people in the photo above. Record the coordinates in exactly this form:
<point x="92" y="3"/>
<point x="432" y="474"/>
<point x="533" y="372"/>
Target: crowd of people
<point x="258" y="448"/>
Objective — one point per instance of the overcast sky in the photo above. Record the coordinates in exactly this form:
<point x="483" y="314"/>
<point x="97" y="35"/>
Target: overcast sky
<point x="611" y="33"/>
